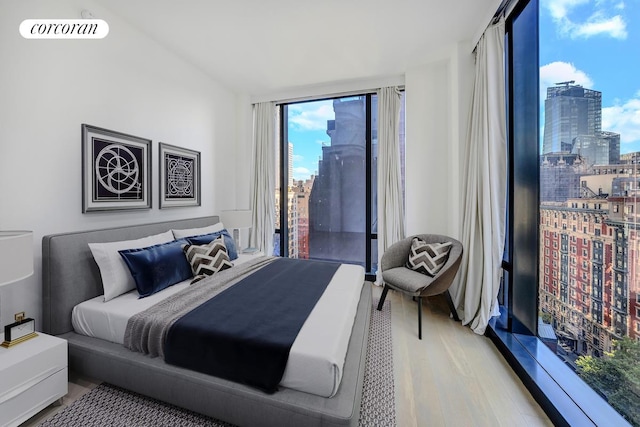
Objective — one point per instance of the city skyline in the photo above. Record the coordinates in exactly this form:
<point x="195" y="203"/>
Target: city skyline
<point x="589" y="228"/>
<point x="595" y="44"/>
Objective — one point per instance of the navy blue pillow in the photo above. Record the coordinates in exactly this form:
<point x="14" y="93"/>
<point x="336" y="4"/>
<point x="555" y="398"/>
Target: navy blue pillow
<point x="157" y="267"/>
<point x="205" y="239"/>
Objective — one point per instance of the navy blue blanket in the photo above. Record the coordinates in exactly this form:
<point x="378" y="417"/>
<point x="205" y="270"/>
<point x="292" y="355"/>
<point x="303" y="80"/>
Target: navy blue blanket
<point x="245" y="333"/>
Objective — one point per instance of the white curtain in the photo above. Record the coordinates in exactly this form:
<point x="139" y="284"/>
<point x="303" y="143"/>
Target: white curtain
<point x="484" y="188"/>
<point x="263" y="179"/>
<point x="390" y="203"/>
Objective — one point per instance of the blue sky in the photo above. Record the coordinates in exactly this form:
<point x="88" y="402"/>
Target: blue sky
<point x="597" y="44"/>
<point x="307" y="133"/>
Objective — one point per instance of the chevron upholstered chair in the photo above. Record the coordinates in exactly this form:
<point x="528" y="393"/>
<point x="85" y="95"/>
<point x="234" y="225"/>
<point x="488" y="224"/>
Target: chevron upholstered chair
<point x="396" y="275"/>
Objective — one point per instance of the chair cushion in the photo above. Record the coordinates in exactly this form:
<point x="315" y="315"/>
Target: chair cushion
<point x="406" y="279"/>
<point x="428" y="258"/>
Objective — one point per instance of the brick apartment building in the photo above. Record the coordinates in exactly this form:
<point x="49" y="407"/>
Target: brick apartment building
<point x="589" y="252"/>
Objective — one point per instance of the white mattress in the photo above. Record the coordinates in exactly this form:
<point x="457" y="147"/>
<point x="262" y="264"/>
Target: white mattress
<point x="317" y="355"/>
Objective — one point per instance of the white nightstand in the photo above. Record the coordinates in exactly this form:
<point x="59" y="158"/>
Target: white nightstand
<point x="243" y="256"/>
<point x="33" y="374"/>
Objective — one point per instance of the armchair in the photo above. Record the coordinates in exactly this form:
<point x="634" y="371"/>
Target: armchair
<point x="396" y="276"/>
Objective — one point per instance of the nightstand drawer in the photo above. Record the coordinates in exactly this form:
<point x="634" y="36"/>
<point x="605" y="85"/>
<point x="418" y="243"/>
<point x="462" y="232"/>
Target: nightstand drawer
<point x="33" y="374"/>
<point x="29" y="363"/>
<point x="31" y="400"/>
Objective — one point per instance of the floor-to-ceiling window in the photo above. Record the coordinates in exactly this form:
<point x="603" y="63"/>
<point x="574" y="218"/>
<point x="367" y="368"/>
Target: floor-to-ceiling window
<point x="326" y="194"/>
<point x="574" y="133"/>
<point x="589" y="192"/>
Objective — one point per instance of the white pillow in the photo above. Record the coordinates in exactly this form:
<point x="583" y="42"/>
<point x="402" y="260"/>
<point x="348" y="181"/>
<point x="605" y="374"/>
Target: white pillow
<point x="189" y="232"/>
<point x="116" y="277"/>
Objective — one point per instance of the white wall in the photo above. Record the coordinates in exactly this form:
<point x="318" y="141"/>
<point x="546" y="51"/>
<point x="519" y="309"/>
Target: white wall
<point x="244" y="153"/>
<point x="125" y="82"/>
<point x="437" y="103"/>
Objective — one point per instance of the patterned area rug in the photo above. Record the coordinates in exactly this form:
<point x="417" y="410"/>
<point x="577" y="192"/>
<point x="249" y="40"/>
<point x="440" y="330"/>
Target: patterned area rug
<point x="378" y="406"/>
<point x="108" y="405"/>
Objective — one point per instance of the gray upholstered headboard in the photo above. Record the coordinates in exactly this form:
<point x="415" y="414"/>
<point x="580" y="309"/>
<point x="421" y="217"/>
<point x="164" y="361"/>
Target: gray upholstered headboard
<point x="70" y="275"/>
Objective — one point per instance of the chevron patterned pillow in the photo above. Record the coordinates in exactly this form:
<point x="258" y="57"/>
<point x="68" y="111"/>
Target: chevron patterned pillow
<point x="207" y="259"/>
<point x="428" y="258"/>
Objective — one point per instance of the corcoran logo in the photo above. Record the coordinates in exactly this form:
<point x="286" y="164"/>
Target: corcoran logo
<point x="64" y="29"/>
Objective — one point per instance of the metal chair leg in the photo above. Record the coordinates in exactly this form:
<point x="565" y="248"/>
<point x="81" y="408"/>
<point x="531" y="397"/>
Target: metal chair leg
<point x="452" y="307"/>
<point x="419" y="318"/>
<point x="382" y="297"/>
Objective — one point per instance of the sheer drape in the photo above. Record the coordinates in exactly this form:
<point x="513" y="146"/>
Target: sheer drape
<point x="484" y="188"/>
<point x="263" y="179"/>
<point x="390" y="203"/>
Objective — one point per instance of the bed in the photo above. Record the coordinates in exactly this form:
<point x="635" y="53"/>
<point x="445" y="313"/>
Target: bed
<point x="71" y="276"/>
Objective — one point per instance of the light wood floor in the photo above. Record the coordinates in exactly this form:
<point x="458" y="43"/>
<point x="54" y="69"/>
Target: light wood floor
<point x="452" y="377"/>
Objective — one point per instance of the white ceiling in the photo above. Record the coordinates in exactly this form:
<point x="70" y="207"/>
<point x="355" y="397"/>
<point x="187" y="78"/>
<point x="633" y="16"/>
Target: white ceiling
<point x="263" y="46"/>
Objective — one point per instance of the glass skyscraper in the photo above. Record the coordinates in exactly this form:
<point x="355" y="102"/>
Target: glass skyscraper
<point x="570" y="111"/>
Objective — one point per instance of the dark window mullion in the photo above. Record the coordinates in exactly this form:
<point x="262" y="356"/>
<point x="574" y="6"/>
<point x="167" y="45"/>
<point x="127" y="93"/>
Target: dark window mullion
<point x="369" y="185"/>
<point x="523" y="132"/>
<point x="284" y="179"/>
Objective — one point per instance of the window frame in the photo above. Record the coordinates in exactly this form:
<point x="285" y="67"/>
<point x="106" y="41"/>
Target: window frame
<point x="565" y="398"/>
<point x="370" y="236"/>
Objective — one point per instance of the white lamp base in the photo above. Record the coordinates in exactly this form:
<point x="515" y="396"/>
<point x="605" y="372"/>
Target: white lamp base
<point x="236" y="238"/>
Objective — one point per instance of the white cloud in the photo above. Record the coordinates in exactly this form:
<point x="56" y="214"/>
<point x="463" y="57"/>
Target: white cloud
<point x="311" y="116"/>
<point x="601" y="21"/>
<point x="620" y="6"/>
<point x="301" y="173"/>
<point x="623" y="118"/>
<point x="298" y="158"/>
<point x="559" y="9"/>
<point x="559" y="71"/>
<point x="301" y="170"/>
<point x="614" y="27"/>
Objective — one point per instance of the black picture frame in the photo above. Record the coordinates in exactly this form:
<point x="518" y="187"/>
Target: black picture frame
<point x="179" y="176"/>
<point x="116" y="170"/>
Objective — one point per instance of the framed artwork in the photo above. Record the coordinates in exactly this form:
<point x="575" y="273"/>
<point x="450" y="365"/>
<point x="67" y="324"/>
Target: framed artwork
<point x="116" y="170"/>
<point x="179" y="176"/>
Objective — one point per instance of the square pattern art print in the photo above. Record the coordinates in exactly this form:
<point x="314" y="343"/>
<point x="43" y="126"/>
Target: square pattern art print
<point x="179" y="176"/>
